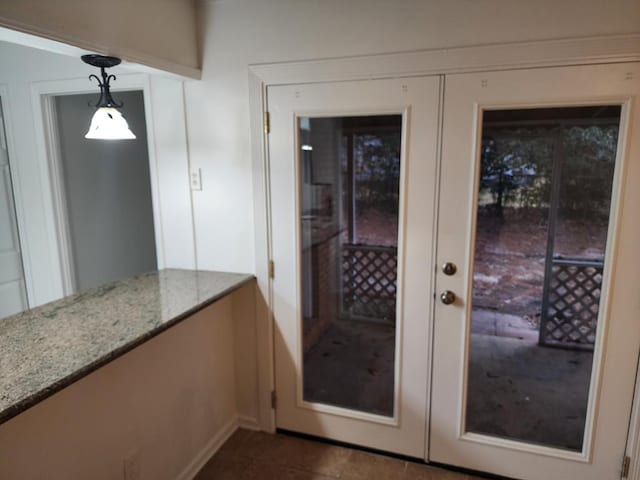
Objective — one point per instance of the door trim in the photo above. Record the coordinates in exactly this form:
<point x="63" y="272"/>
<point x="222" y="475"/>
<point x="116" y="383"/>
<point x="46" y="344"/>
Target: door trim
<point x="633" y="441"/>
<point x="58" y="193"/>
<point x="480" y="58"/>
<point x="548" y="53"/>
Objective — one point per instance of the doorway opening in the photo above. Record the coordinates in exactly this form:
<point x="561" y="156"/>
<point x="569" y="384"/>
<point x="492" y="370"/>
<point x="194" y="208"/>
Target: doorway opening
<point x="105" y="214"/>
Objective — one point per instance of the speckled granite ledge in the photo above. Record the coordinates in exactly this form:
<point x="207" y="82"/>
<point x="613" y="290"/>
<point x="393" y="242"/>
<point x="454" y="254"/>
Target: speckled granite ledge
<point x="47" y="348"/>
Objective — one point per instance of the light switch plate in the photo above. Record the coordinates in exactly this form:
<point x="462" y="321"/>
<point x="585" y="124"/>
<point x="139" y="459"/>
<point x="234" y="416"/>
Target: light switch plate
<point x="196" y="179"/>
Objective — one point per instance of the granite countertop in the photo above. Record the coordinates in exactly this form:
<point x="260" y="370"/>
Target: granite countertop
<point x="49" y="347"/>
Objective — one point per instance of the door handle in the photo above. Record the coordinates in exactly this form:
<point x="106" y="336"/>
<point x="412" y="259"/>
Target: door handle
<point x="447" y="297"/>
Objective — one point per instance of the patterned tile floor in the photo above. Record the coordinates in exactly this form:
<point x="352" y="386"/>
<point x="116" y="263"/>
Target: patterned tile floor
<point x="251" y="455"/>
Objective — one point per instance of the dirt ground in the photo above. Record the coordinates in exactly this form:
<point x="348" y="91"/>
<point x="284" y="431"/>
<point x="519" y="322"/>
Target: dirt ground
<point x="510" y="258"/>
<point x="377" y="227"/>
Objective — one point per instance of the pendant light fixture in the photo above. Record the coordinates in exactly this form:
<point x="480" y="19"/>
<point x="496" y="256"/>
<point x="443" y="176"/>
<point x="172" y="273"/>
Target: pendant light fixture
<point x="107" y="122"/>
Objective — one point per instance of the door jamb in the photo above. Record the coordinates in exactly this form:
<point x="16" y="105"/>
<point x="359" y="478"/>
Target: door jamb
<point x="633" y="438"/>
<point x="58" y="193"/>
<point x="548" y="53"/>
<point x="16" y="186"/>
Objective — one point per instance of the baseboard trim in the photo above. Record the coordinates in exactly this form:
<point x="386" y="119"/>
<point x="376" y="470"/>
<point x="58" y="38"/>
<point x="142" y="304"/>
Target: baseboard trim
<point x="212" y="446"/>
<point x="249" y="423"/>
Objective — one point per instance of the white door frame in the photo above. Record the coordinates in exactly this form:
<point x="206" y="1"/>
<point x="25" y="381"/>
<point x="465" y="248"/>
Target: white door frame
<point x="5" y="112"/>
<point x="52" y="181"/>
<point x="58" y="195"/>
<point x="17" y="197"/>
<point x="579" y="51"/>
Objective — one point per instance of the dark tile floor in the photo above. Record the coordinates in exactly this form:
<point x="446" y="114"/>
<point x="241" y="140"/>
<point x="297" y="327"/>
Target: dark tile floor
<point x="251" y="455"/>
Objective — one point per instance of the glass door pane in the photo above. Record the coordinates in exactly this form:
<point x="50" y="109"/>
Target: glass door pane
<point x="349" y="189"/>
<point x="543" y="213"/>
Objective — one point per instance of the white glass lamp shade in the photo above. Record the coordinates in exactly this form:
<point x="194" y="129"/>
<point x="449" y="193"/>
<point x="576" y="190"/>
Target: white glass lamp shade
<point x="109" y="124"/>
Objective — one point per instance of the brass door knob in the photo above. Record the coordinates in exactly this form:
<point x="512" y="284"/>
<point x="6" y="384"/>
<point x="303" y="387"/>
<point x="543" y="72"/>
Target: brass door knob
<point x="447" y="297"/>
<point x="449" y="268"/>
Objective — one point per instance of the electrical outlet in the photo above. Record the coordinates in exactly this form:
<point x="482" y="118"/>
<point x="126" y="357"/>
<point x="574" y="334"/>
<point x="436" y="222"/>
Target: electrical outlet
<point x="196" y="179"/>
<point x="132" y="467"/>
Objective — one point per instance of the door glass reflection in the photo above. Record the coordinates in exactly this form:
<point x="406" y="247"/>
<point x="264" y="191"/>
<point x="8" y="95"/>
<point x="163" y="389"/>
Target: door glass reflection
<point x="349" y="189"/>
<point x="543" y="213"/>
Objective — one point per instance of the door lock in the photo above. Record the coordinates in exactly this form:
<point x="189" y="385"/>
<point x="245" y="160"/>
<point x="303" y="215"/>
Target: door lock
<point x="449" y="268"/>
<point x="447" y="297"/>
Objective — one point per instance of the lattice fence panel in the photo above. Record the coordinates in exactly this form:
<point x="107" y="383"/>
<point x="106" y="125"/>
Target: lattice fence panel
<point x="573" y="299"/>
<point x="369" y="276"/>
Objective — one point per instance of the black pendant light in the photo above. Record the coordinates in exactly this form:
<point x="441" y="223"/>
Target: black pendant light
<point x="107" y="122"/>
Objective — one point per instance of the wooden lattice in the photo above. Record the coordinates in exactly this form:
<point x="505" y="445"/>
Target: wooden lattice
<point x="369" y="282"/>
<point x="570" y="307"/>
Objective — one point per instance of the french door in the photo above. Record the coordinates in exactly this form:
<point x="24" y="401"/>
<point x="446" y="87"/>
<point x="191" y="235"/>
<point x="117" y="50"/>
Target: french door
<point x="535" y="359"/>
<point x="353" y="173"/>
<point x="470" y="301"/>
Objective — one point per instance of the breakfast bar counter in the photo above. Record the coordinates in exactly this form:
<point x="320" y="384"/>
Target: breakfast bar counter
<point x="47" y="348"/>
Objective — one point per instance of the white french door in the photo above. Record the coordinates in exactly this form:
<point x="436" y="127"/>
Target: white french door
<point x="353" y="175"/>
<point x="538" y="210"/>
<point x="473" y="304"/>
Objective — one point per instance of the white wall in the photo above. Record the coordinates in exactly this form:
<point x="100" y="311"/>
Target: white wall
<point x="237" y="33"/>
<point x="107" y="189"/>
<point x="159" y="33"/>
<point x="25" y="71"/>
<point x="169" y="403"/>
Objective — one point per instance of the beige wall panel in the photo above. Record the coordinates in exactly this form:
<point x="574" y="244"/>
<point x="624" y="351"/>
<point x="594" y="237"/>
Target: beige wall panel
<point x="158" y="33"/>
<point x="162" y="403"/>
